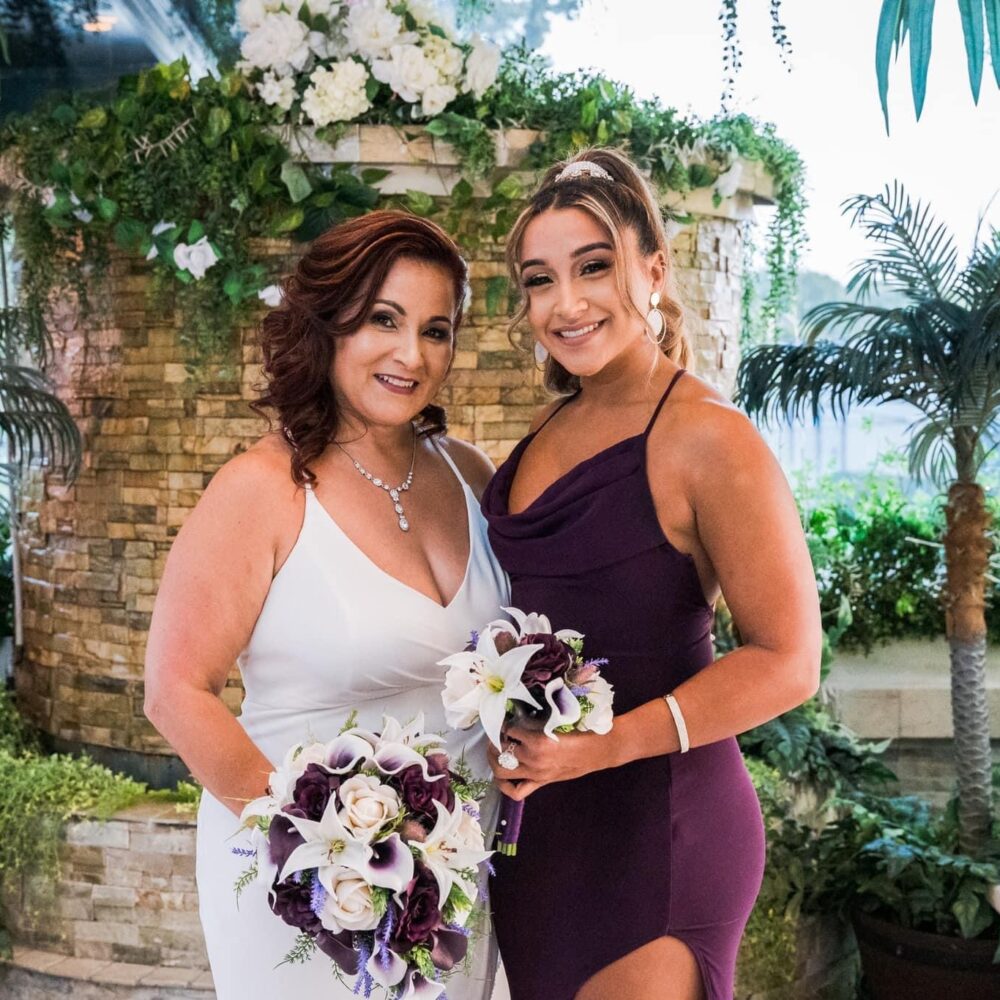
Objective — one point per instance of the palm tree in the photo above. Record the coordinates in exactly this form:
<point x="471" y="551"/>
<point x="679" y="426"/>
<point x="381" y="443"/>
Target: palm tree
<point x="35" y="425"/>
<point x="939" y="351"/>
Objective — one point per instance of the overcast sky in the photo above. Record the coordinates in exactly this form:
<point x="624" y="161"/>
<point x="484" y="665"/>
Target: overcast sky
<point x="827" y="107"/>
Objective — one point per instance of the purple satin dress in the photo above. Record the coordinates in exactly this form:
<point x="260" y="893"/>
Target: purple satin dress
<point x="667" y="845"/>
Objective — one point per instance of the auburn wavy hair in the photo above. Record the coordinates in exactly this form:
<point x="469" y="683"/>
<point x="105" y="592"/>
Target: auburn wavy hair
<point x="627" y="202"/>
<point x="329" y="296"/>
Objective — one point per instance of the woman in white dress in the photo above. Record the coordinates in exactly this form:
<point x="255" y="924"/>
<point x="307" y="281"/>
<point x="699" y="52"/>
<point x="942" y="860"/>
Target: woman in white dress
<point x="338" y="560"/>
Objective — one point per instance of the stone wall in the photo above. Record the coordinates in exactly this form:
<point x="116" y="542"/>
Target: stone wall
<point x="92" y="553"/>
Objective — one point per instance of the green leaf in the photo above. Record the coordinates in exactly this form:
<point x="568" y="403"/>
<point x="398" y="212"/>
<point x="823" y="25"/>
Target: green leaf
<point x="437" y="127"/>
<point x="291" y="218"/>
<point x="95" y="118"/>
<point x="966" y="910"/>
<point x="496" y="289"/>
<point x="885" y="42"/>
<point x="65" y="114"/>
<point x="219" y="120"/>
<point x="993" y="29"/>
<point x="436" y="30"/>
<point x="372" y="175"/>
<point x="461" y="194"/>
<point x="588" y="113"/>
<point x="107" y="209"/>
<point x="606" y="89"/>
<point x="372" y="88"/>
<point x="195" y="231"/>
<point x="129" y="234"/>
<point x="233" y="286"/>
<point x="509" y="188"/>
<point x="257" y="174"/>
<point x="701" y="175"/>
<point x="419" y="203"/>
<point x="972" y="29"/>
<point x="295" y="180"/>
<point x="921" y="21"/>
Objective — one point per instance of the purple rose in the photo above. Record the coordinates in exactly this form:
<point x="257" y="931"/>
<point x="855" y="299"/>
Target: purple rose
<point x="313" y="791"/>
<point x="552" y="660"/>
<point x="419" y="794"/>
<point x="292" y="901"/>
<point x="421" y="911"/>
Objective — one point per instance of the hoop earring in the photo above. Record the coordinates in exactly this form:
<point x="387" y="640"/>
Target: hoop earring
<point x="656" y="322"/>
<point x="541" y="353"/>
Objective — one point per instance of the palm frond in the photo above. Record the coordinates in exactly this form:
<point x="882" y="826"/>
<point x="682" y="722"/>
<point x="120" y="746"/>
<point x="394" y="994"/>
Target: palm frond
<point x="35" y="423"/>
<point x="916" y="254"/>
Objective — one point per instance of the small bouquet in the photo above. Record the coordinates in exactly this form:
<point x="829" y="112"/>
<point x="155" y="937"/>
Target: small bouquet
<point x="370" y="846"/>
<point x="527" y="673"/>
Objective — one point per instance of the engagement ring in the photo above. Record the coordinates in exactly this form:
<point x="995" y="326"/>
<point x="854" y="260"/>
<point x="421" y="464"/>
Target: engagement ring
<point x="508" y="761"/>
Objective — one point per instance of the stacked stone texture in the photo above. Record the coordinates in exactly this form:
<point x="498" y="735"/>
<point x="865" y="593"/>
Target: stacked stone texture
<point x="155" y="433"/>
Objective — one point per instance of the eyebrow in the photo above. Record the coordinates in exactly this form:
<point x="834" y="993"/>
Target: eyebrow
<point x="402" y="311"/>
<point x="576" y="253"/>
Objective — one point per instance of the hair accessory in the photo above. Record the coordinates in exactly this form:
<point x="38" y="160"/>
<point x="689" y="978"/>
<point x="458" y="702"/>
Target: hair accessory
<point x="656" y="322"/>
<point x="583" y="168"/>
<point x="682" y="731"/>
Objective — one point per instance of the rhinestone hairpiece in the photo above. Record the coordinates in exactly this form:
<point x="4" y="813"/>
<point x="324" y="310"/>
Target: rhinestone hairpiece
<point x="583" y="168"/>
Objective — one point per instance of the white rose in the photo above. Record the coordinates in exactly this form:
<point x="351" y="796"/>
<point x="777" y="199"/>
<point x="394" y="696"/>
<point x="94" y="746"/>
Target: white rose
<point x="196" y="258"/>
<point x="81" y="213"/>
<point x="728" y="183"/>
<point x="367" y="805"/>
<point x="270" y="296"/>
<point x="328" y="8"/>
<point x="469" y="833"/>
<point x="599" y="719"/>
<point x="372" y="29"/>
<point x="336" y="94"/>
<point x="407" y="71"/>
<point x="282" y="41"/>
<point x="277" y="90"/>
<point x="347" y="905"/>
<point x="444" y="56"/>
<point x="482" y="66"/>
<point x="251" y="14"/>
<point x="437" y="98"/>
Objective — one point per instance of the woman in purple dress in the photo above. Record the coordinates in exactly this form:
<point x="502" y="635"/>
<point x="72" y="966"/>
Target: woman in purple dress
<point x="635" y="500"/>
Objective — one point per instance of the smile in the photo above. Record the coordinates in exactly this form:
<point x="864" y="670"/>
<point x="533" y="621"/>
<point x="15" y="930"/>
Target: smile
<point x="577" y="332"/>
<point x="397" y="384"/>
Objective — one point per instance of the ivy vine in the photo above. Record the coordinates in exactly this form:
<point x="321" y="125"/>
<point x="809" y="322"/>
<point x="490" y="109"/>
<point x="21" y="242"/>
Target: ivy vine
<point x="166" y="162"/>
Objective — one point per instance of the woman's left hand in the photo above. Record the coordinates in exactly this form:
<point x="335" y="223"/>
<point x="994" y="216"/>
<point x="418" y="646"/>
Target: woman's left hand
<point x="543" y="761"/>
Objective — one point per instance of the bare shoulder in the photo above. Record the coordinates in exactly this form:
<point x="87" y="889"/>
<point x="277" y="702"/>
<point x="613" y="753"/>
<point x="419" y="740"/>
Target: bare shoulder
<point x="475" y="465"/>
<point x="260" y="474"/>
<point x="709" y="434"/>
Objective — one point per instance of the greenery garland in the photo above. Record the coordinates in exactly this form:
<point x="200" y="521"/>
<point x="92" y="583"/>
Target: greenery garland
<point x="204" y="164"/>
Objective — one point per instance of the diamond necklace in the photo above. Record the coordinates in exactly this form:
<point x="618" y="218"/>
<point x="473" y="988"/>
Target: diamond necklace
<point x="393" y="491"/>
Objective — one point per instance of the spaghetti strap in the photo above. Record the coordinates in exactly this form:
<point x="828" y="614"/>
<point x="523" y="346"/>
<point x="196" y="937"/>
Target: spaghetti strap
<point x="663" y="399"/>
<point x="443" y="452"/>
<point x="568" y="399"/>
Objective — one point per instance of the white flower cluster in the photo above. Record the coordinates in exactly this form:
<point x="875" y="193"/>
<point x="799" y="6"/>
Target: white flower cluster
<point x="327" y="53"/>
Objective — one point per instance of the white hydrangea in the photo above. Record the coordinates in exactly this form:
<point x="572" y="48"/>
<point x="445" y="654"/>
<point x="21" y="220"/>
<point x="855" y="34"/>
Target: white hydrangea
<point x="336" y="94"/>
<point x="277" y="90"/>
<point x="436" y="98"/>
<point x="372" y="29"/>
<point x="407" y="71"/>
<point x="482" y="66"/>
<point x="445" y="57"/>
<point x="281" y="44"/>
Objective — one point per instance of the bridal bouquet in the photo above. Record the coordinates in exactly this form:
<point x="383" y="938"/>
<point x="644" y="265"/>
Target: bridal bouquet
<point x="525" y="672"/>
<point x="370" y="846"/>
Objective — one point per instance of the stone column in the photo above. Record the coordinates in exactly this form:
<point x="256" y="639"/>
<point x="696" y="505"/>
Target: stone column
<point x="154" y="435"/>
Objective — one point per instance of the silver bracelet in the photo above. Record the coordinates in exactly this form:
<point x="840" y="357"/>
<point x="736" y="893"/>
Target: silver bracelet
<point x="682" y="731"/>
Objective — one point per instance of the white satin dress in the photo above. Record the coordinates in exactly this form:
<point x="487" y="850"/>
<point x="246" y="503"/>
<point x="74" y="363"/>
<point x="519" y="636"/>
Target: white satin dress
<point x="337" y="633"/>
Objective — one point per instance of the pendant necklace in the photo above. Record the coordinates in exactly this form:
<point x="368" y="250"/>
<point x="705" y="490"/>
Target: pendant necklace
<point x="393" y="491"/>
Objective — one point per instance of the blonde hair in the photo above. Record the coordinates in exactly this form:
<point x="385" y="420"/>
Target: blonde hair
<point x="627" y="201"/>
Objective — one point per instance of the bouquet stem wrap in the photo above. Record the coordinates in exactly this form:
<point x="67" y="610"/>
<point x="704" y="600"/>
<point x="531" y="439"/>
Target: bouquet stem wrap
<point x="511" y="811"/>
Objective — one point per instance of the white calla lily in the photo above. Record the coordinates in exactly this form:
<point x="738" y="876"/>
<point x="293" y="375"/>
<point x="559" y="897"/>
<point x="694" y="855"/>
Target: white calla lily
<point x="564" y="708"/>
<point x="531" y="623"/>
<point x="498" y="681"/>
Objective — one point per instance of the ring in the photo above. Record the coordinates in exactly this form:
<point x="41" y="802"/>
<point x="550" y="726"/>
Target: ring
<point x="508" y="761"/>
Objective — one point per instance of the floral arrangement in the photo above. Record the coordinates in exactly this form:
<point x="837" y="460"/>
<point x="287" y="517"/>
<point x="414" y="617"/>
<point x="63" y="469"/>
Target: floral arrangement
<point x="370" y="845"/>
<point x="524" y="671"/>
<point x="321" y="61"/>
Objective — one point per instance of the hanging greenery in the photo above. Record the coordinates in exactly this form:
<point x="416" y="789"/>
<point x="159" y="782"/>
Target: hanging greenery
<point x="188" y="173"/>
